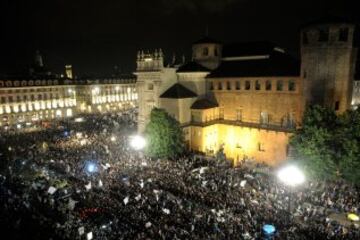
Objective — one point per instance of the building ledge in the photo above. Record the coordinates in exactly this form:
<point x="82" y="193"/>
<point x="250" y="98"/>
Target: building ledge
<point x="259" y="126"/>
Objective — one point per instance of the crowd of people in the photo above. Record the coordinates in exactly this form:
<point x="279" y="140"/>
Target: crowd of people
<point x="82" y="180"/>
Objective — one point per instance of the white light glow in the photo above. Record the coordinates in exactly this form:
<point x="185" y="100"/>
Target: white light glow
<point x="95" y="90"/>
<point x="137" y="142"/>
<point x="68" y="112"/>
<point x="79" y="119"/>
<point x="113" y="138"/>
<point x="291" y="175"/>
<point x="58" y="113"/>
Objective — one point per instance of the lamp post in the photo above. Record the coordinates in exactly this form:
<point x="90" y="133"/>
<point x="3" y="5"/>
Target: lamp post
<point x="292" y="177"/>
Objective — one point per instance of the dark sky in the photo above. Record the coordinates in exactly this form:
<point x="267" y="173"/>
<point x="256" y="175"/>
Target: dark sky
<point x="95" y="35"/>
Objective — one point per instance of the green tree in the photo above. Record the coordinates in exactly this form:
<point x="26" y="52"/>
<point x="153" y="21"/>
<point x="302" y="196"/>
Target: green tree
<point x="327" y="145"/>
<point x="164" y="135"/>
<point x="350" y="145"/>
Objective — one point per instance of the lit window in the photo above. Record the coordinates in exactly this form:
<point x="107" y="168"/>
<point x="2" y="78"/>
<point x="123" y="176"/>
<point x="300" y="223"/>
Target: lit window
<point x="37" y="106"/>
<point x="58" y="113"/>
<point x="238" y="114"/>
<point x="264" y="118"/>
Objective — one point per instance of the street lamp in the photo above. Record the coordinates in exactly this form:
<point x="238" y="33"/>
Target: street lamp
<point x="137" y="142"/>
<point x="292" y="177"/>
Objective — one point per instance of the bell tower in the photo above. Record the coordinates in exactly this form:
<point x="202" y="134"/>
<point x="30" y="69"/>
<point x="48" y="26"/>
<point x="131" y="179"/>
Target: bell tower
<point x="328" y="57"/>
<point x="152" y="79"/>
<point x="207" y="52"/>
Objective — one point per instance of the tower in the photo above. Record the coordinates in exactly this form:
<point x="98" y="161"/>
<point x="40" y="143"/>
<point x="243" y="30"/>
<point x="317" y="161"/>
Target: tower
<point x="68" y="71"/>
<point x="328" y="56"/>
<point x="152" y="80"/>
<point x="38" y="60"/>
<point x="207" y="52"/>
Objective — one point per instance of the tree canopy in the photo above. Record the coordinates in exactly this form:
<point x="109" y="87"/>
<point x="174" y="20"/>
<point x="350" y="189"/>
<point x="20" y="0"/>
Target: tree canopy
<point x="328" y="145"/>
<point x="164" y="135"/>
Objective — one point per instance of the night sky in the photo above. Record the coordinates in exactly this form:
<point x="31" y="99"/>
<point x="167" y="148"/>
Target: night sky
<point x="96" y="35"/>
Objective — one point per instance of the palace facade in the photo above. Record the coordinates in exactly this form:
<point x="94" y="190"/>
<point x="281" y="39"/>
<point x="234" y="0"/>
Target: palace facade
<point x="248" y="98"/>
<point x="32" y="102"/>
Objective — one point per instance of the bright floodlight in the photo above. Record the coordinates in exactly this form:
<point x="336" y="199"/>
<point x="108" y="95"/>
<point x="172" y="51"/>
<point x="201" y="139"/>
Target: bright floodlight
<point x="291" y="176"/>
<point x="137" y="142"/>
<point x="113" y="138"/>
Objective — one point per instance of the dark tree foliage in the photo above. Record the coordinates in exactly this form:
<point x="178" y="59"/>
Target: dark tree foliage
<point x="164" y="135"/>
<point x="327" y="145"/>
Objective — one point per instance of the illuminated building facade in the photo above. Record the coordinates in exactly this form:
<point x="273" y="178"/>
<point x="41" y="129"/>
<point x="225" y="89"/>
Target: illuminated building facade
<point x="248" y="98"/>
<point x="24" y="102"/>
<point x="41" y="98"/>
<point x="29" y="103"/>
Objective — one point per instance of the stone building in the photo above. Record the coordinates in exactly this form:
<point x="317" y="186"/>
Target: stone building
<point x="248" y="98"/>
<point x="328" y="54"/>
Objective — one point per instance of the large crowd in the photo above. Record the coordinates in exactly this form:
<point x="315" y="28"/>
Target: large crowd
<point x="82" y="180"/>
